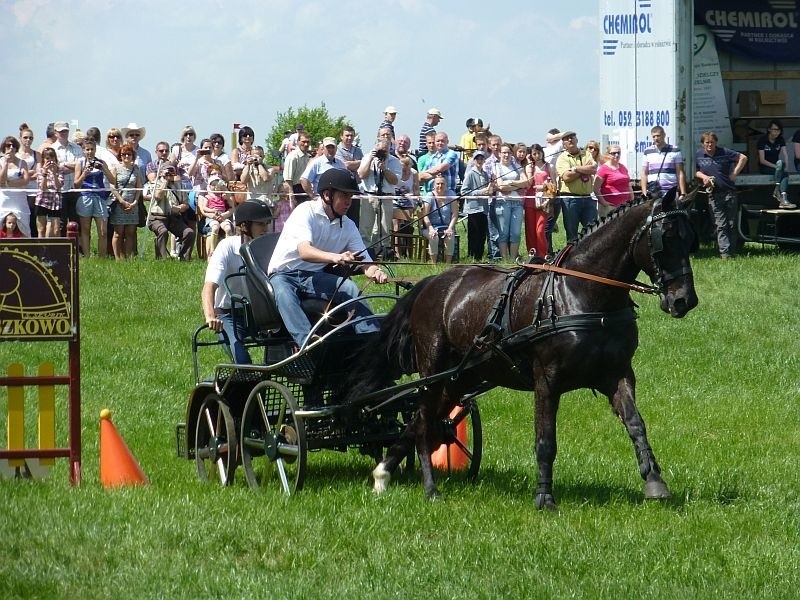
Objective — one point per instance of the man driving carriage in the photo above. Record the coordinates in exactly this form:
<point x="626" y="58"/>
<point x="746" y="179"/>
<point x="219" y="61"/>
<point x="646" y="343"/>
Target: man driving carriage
<point x="252" y="218"/>
<point x="318" y="234"/>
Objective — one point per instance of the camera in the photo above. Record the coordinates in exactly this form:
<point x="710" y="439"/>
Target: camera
<point x="381" y="154"/>
<point x="203" y="152"/>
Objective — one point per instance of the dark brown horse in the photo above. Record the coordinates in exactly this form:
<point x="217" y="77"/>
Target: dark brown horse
<point x="554" y="333"/>
<point x="536" y="330"/>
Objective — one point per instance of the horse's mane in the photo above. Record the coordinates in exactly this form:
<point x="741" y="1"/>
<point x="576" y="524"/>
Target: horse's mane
<point x="615" y="214"/>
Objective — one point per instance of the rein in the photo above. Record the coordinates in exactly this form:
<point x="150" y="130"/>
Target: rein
<point x="636" y="287"/>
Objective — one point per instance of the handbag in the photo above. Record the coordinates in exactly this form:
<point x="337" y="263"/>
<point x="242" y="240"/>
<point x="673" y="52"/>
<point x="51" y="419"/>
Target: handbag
<point x="113" y="202"/>
<point x="653" y="188"/>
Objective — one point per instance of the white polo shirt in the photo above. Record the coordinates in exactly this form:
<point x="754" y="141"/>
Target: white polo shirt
<point x="309" y="223"/>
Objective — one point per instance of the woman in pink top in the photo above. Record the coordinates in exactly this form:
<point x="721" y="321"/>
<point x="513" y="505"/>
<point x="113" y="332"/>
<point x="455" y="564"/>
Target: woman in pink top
<point x="612" y="184"/>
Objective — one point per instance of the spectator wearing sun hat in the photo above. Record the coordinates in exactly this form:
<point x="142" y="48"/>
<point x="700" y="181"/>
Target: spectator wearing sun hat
<point x="320" y="164"/>
<point x="133" y="135"/>
<point x="429" y="126"/>
<point x="389" y="115"/>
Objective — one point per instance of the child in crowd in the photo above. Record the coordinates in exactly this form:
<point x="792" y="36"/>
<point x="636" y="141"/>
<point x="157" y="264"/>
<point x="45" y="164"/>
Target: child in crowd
<point x="217" y="210"/>
<point x="49" y="182"/>
<point x="10" y="227"/>
<point x="281" y="207"/>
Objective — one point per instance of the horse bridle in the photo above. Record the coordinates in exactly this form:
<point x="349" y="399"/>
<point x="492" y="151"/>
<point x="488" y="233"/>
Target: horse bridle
<point x="655" y="244"/>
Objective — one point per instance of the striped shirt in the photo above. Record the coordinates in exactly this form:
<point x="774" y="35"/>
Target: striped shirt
<point x="667" y="173"/>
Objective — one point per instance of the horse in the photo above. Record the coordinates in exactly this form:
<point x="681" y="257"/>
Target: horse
<point x="549" y="328"/>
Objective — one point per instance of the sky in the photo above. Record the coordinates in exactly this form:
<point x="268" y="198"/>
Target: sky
<point x="523" y="67"/>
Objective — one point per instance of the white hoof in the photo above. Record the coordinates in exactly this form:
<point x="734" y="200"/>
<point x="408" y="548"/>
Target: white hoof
<point x="382" y="478"/>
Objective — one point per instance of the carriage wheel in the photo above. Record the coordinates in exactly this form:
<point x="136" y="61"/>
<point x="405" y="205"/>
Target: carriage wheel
<point x="216" y="444"/>
<point x="273" y="439"/>
<point x="462" y="449"/>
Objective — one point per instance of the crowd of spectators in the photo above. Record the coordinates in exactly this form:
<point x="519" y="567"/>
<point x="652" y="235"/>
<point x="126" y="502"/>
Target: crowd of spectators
<point x="189" y="189"/>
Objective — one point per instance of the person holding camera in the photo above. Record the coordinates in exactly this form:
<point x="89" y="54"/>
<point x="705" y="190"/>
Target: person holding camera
<point x="49" y="182"/>
<point x="259" y="179"/>
<point x="379" y="172"/>
<point x="92" y="203"/>
<point x="167" y="210"/>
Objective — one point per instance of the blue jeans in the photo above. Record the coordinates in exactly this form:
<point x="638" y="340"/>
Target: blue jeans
<point x="781" y="176"/>
<point x="289" y="287"/>
<point x="237" y="349"/>
<point x="509" y="213"/>
<point x="578" y="210"/>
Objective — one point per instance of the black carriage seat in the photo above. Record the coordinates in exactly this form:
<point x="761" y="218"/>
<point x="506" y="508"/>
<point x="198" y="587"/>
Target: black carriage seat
<point x="256" y="255"/>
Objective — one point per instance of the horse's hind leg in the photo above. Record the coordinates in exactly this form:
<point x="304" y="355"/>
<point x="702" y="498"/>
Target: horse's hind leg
<point x="623" y="400"/>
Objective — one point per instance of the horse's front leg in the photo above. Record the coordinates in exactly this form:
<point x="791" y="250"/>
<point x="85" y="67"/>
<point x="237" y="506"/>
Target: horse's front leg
<point x="428" y="438"/>
<point x="623" y="400"/>
<point x="546" y="410"/>
<point x="403" y="446"/>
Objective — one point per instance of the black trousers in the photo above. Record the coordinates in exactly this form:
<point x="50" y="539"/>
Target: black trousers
<point x="477" y="230"/>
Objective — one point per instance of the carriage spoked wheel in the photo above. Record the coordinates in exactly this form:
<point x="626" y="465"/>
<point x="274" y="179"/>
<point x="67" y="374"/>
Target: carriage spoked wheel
<point x="273" y="439"/>
<point x="216" y="442"/>
<point x="462" y="449"/>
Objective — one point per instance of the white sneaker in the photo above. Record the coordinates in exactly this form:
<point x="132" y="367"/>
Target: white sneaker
<point x="785" y="204"/>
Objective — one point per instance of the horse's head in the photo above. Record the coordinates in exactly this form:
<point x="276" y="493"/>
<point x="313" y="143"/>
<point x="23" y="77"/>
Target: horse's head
<point x="661" y="249"/>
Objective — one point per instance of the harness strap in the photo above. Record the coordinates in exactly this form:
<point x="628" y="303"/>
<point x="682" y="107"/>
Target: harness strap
<point x="636" y="287"/>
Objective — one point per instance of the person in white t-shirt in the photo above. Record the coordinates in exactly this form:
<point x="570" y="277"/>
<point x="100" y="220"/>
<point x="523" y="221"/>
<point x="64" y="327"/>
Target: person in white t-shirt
<point x="252" y="217"/>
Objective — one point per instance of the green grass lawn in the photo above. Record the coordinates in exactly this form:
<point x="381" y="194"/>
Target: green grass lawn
<point x="718" y="390"/>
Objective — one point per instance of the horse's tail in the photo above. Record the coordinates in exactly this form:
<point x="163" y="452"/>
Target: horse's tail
<point x="390" y="354"/>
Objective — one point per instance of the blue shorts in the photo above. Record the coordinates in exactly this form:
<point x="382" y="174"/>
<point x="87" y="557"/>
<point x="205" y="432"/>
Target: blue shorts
<point x="91" y="205"/>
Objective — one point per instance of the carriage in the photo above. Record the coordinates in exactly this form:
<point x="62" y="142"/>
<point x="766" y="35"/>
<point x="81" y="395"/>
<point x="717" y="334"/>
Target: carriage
<point x="268" y="417"/>
<point x="412" y="389"/>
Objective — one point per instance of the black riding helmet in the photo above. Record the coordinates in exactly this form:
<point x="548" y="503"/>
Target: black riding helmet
<point x="337" y="179"/>
<point x="250" y="211"/>
<point x="340" y="180"/>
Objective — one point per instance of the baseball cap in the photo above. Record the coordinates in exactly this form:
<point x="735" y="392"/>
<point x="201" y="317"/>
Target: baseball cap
<point x="436" y="112"/>
<point x="390" y="109"/>
<point x="329" y="141"/>
<point x="61" y="126"/>
<point x="566" y="134"/>
<point x="479" y="153"/>
<point x="337" y="179"/>
<point x="299" y="127"/>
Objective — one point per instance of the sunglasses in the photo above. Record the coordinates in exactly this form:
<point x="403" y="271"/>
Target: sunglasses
<point x="189" y="134"/>
<point x="134" y="135"/>
<point x="247" y="135"/>
<point x="115" y="137"/>
<point x="615" y="153"/>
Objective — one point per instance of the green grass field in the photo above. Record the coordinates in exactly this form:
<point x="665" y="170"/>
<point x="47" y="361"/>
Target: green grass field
<point x="718" y="390"/>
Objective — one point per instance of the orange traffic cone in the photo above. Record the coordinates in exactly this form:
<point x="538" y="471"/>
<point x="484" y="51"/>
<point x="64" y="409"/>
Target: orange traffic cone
<point x="452" y="458"/>
<point x="117" y="465"/>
